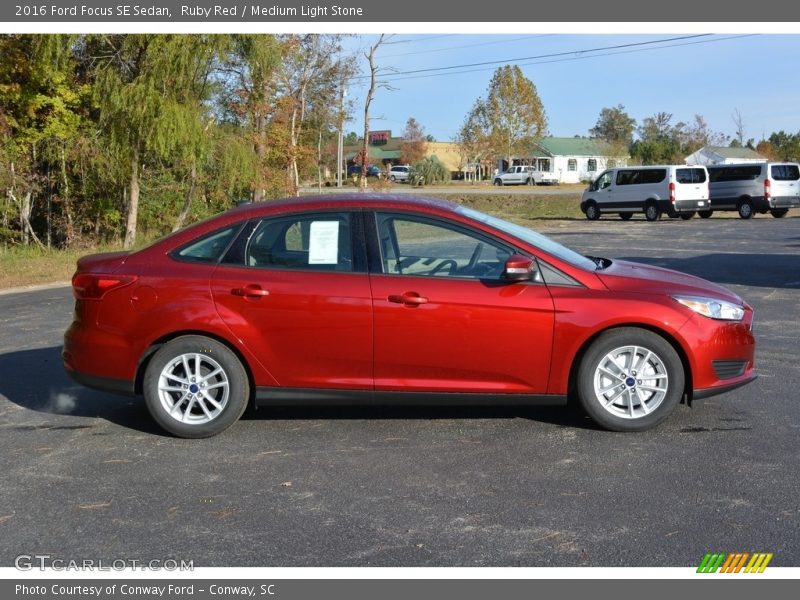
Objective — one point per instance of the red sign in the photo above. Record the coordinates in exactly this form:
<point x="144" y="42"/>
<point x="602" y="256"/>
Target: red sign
<point x="378" y="138"/>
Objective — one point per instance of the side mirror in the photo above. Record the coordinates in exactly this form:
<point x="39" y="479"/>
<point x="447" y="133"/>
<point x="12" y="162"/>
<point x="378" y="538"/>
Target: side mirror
<point x="518" y="268"/>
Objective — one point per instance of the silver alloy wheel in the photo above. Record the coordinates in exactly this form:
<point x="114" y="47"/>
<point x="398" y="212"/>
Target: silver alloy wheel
<point x="193" y="388"/>
<point x="630" y="382"/>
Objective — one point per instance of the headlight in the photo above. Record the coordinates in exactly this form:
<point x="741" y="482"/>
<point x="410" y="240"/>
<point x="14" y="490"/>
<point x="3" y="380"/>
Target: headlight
<point x="712" y="308"/>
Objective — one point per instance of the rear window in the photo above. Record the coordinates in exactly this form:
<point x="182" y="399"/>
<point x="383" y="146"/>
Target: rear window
<point x="734" y="173"/>
<point x="785" y="172"/>
<point x="690" y="175"/>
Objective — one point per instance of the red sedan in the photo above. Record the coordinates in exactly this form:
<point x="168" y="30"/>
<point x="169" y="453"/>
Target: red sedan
<point x="363" y="299"/>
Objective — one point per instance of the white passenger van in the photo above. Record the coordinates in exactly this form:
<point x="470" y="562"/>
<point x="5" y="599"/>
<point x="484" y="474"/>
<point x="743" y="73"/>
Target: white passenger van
<point x="677" y="190"/>
<point x="754" y="187"/>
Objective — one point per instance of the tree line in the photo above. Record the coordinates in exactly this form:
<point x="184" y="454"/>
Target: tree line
<point x="105" y="135"/>
<point x="659" y="139"/>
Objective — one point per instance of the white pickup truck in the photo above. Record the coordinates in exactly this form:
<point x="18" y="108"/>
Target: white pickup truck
<point x="524" y="174"/>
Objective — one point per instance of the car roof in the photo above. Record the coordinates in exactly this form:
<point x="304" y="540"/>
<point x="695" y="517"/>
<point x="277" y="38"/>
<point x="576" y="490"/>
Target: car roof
<point x="347" y="200"/>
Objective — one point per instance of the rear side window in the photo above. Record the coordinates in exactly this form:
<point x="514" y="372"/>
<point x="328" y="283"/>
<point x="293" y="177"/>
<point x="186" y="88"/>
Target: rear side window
<point x="208" y="248"/>
<point x="734" y="173"/>
<point x="640" y="176"/>
<point x="653" y="175"/>
<point x="785" y="172"/>
<point x="690" y="175"/>
<point x="318" y="242"/>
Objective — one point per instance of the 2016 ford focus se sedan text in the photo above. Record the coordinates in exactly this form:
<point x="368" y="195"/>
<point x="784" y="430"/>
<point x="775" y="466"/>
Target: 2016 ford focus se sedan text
<point x="364" y="299"/>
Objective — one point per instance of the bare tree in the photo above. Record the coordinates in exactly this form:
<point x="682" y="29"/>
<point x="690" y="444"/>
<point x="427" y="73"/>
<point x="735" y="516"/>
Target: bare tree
<point x="738" y="121"/>
<point x="374" y="84"/>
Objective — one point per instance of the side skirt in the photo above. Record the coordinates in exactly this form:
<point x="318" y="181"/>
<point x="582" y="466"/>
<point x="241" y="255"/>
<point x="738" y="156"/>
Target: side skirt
<point x="271" y="396"/>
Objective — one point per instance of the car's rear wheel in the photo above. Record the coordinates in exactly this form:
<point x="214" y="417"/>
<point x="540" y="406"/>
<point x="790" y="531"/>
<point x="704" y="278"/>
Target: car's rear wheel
<point x="630" y="379"/>
<point x="687" y="216"/>
<point x="651" y="211"/>
<point x="745" y="209"/>
<point x="591" y="211"/>
<point x="705" y="214"/>
<point x="625" y="216"/>
<point x="779" y="212"/>
<point x="195" y="387"/>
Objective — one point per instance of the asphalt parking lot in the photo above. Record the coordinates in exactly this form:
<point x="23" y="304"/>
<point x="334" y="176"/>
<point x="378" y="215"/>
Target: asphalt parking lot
<point x="86" y="475"/>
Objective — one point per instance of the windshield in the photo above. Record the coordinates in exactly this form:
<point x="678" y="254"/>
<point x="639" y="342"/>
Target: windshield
<point x="531" y="237"/>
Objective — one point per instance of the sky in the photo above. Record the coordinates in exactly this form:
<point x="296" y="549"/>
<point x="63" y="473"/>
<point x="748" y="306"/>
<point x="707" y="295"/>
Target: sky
<point x="710" y="75"/>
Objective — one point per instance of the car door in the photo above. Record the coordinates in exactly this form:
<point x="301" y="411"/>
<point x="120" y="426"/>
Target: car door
<point x="444" y="319"/>
<point x="295" y="290"/>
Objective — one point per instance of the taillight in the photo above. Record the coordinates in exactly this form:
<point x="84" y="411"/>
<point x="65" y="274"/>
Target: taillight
<point x="91" y="286"/>
<point x="672" y="192"/>
<point x="767" y="189"/>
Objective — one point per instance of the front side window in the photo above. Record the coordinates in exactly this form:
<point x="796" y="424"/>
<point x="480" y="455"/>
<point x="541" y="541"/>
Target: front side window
<point x="603" y="181"/>
<point x="417" y="246"/>
<point x="320" y="242"/>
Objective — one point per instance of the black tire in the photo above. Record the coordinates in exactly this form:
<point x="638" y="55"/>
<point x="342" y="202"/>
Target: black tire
<point x="779" y="213"/>
<point x="625" y="216"/>
<point x="498" y="182"/>
<point x="686" y="216"/>
<point x="205" y="412"/>
<point x="651" y="211"/>
<point x="705" y="214"/>
<point x="745" y="209"/>
<point x="592" y="212"/>
<point x="392" y="177"/>
<point x="664" y="365"/>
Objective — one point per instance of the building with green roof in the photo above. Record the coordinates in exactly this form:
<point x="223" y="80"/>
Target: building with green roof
<point x="722" y="155"/>
<point x="569" y="160"/>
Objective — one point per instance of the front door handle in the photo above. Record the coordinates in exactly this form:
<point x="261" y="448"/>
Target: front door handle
<point x="408" y="298"/>
<point x="252" y="290"/>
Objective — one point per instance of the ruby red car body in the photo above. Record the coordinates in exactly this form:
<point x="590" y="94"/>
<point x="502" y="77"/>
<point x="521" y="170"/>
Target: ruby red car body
<point x="318" y="335"/>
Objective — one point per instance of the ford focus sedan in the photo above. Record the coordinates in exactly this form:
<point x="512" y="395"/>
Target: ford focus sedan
<point x="362" y="299"/>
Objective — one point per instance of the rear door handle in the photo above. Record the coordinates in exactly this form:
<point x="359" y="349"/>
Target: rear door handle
<point x="252" y="290"/>
<point x="408" y="298"/>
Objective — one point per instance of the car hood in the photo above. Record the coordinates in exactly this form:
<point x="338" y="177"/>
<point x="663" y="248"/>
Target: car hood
<point x="623" y="275"/>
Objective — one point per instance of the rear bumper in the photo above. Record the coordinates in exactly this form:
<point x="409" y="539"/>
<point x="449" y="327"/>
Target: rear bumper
<point x="684" y="206"/>
<point x="105" y="384"/>
<point x="784" y="202"/>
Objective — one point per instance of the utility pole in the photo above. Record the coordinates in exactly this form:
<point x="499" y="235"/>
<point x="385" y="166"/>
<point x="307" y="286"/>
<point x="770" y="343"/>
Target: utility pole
<point x="340" y="143"/>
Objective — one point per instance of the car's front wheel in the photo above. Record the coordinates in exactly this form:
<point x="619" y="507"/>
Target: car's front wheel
<point x="779" y="213"/>
<point x="195" y="387"/>
<point x="592" y="211"/>
<point x="705" y="214"/>
<point x="498" y="182"/>
<point x="630" y="379"/>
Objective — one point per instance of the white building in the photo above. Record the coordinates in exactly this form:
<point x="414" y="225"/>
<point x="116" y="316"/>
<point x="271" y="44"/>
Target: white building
<point x="571" y="160"/>
<point x="721" y="155"/>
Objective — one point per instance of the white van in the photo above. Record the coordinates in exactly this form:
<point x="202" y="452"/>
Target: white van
<point x="677" y="190"/>
<point x="754" y="187"/>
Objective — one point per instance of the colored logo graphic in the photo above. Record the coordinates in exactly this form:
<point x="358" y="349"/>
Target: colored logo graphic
<point x="735" y="562"/>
